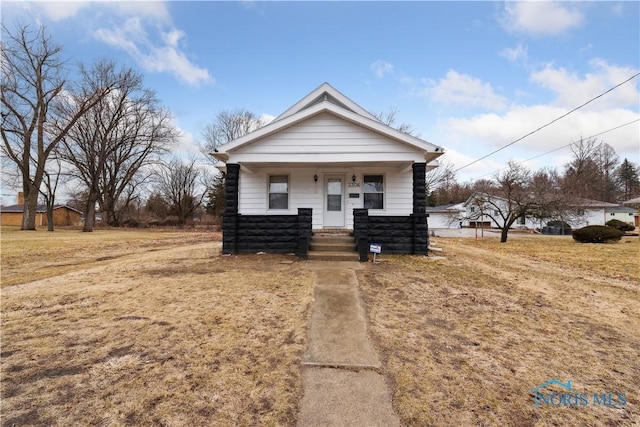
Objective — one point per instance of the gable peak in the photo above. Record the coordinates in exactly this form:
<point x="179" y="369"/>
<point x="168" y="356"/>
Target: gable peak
<point x="326" y="93"/>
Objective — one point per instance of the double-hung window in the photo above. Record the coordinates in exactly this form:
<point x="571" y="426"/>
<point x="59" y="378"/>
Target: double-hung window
<point x="278" y="192"/>
<point x="373" y="190"/>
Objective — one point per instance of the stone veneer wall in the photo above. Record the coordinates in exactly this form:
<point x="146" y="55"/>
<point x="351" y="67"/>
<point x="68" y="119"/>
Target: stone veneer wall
<point x="396" y="234"/>
<point x="267" y="233"/>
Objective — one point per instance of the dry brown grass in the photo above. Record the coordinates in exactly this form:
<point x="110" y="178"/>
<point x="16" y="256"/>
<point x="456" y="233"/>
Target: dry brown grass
<point x="465" y="338"/>
<point x="32" y="255"/>
<point x="162" y="331"/>
<point x="142" y="328"/>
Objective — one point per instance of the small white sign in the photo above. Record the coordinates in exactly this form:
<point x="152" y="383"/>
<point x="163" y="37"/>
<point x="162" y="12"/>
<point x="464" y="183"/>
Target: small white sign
<point x="375" y="248"/>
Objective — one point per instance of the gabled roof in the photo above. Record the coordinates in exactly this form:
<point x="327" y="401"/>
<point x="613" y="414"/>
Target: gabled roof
<point x="632" y="202"/>
<point x="482" y="196"/>
<point x="326" y="92"/>
<point x="326" y="99"/>
<point x="39" y="208"/>
<point x="620" y="209"/>
<point x="590" y="203"/>
<point x="451" y="207"/>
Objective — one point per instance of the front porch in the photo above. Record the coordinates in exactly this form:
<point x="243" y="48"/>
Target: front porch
<point x="292" y="233"/>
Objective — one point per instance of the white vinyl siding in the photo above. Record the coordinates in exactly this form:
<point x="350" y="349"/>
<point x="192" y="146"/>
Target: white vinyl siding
<point x="305" y="193"/>
<point x="329" y="139"/>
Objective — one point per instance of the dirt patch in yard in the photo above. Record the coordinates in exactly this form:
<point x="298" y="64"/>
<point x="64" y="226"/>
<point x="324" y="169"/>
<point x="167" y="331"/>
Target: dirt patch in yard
<point x="467" y="336"/>
<point x="168" y="333"/>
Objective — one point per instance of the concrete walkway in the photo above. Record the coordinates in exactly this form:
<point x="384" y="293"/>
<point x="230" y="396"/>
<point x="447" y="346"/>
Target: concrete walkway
<point x="342" y="385"/>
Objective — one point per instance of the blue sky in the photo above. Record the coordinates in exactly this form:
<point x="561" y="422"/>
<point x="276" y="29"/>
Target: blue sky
<point x="469" y="76"/>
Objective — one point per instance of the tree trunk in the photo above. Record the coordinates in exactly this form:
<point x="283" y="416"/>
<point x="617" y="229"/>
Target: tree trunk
<point x="89" y="213"/>
<point x="503" y="235"/>
<point x="29" y="207"/>
<point x="50" y="217"/>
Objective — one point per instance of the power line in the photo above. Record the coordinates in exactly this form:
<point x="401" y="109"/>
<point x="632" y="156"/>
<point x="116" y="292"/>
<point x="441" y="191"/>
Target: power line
<point x="567" y="145"/>
<point x="548" y="124"/>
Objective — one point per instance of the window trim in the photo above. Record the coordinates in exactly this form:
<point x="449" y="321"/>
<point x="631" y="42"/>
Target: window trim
<point x="269" y="176"/>
<point x="383" y="192"/>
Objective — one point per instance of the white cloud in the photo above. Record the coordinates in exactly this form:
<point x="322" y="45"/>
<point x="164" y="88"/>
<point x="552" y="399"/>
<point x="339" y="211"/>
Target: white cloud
<point x="519" y="53"/>
<point x="617" y="9"/>
<point x="540" y="17"/>
<point x="142" y="29"/>
<point x="58" y="11"/>
<point x="572" y="90"/>
<point x="266" y="118"/>
<point x="457" y="89"/>
<point x="380" y="68"/>
<point x="133" y="38"/>
<point x="495" y="131"/>
<point x="151" y="9"/>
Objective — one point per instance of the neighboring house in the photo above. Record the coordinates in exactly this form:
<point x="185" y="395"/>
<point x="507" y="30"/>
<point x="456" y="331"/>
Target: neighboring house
<point x="445" y="216"/>
<point x="591" y="212"/>
<point x="622" y="213"/>
<point x="487" y="215"/>
<point x="62" y="215"/>
<point x="325" y="163"/>
<point x="587" y="212"/>
<point x="634" y="203"/>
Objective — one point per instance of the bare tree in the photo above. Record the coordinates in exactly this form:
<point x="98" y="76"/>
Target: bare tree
<point x="607" y="161"/>
<point x="227" y="126"/>
<point x="552" y="203"/>
<point x="441" y="178"/>
<point x="389" y="118"/>
<point x="33" y="93"/>
<point x="507" y="199"/>
<point x="112" y="143"/>
<point x="51" y="179"/>
<point x="179" y="184"/>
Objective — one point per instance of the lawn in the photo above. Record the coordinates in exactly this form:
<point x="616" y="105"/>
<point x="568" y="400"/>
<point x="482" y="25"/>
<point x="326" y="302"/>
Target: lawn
<point x="118" y="328"/>
<point x="141" y="328"/>
<point x="467" y="335"/>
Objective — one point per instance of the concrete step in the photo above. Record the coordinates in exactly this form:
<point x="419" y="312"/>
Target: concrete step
<point x="329" y="246"/>
<point x="333" y="256"/>
<point x="332" y="238"/>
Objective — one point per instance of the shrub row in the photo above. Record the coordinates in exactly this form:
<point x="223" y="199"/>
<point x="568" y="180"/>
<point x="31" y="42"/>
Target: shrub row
<point x="597" y="234"/>
<point x="620" y="225"/>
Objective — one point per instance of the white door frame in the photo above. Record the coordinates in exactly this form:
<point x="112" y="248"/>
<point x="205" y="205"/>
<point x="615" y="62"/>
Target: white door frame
<point x="333" y="219"/>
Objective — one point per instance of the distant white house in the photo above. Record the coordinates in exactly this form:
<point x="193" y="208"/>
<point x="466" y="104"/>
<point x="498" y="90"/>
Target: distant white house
<point x="634" y="203"/>
<point x="587" y="212"/>
<point x="591" y="212"/>
<point x="621" y="213"/>
<point x="446" y="216"/>
<point x="488" y="214"/>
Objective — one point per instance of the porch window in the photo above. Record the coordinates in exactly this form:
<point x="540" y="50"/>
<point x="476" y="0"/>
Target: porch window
<point x="278" y="192"/>
<point x="373" y="191"/>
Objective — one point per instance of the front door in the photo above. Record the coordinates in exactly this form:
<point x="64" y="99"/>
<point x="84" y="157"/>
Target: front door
<point x="334" y="201"/>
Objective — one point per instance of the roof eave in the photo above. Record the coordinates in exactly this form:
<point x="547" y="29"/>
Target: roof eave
<point x="373" y="125"/>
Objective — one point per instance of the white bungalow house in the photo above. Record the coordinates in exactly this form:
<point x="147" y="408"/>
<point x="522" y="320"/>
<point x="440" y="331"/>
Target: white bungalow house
<point x="586" y="212"/>
<point x="482" y="210"/>
<point x="325" y="163"/>
<point x="592" y="212"/>
<point x="621" y="213"/>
